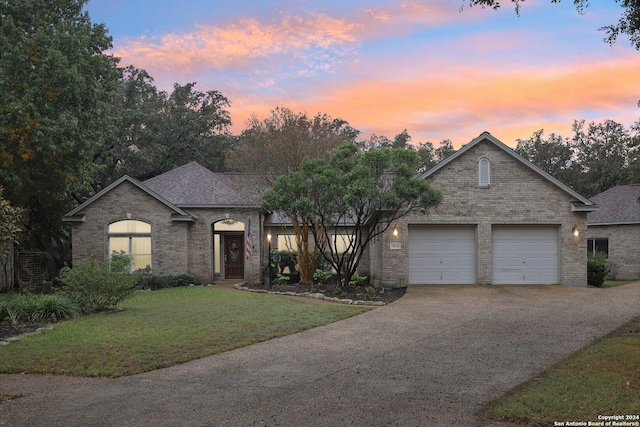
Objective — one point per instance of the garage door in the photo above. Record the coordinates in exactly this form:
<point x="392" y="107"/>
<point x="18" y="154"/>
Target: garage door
<point x="525" y="255"/>
<point x="442" y="255"/>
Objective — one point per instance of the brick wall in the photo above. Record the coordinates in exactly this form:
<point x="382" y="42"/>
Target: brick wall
<point x="624" y="247"/>
<point x="517" y="196"/>
<point x="126" y="201"/>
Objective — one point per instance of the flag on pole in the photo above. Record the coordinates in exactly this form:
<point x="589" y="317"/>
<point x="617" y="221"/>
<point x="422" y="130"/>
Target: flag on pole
<point x="248" y="246"/>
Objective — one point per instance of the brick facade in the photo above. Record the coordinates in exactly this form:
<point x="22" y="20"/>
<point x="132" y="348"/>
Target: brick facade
<point x="624" y="245"/>
<point x="517" y="195"/>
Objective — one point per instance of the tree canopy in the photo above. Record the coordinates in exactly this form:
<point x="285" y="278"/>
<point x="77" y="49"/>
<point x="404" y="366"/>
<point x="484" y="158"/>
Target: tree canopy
<point x="281" y="142"/>
<point x="354" y="196"/>
<point x="54" y="79"/>
<point x="628" y="24"/>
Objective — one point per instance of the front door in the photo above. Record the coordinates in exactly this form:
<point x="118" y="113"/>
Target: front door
<point x="233" y="256"/>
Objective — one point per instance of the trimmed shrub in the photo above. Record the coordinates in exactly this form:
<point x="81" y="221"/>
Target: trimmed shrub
<point x="95" y="286"/>
<point x="155" y="281"/>
<point x="597" y="269"/>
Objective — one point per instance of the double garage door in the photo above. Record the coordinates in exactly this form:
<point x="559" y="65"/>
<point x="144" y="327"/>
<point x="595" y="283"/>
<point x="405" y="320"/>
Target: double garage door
<point x="449" y="255"/>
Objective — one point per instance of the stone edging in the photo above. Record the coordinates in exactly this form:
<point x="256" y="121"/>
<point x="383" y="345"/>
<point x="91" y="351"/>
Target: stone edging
<point x="7" y="341"/>
<point x="316" y="295"/>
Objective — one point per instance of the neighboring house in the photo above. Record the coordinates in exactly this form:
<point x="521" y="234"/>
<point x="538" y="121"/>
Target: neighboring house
<point x="615" y="229"/>
<point x="502" y="221"/>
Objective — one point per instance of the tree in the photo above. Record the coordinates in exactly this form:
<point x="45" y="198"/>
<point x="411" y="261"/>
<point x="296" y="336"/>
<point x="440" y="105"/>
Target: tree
<point x="54" y="79"/>
<point x="11" y="226"/>
<point x="282" y="141"/>
<point x="629" y="22"/>
<point x="431" y="156"/>
<point x="554" y="155"/>
<point x="363" y="192"/>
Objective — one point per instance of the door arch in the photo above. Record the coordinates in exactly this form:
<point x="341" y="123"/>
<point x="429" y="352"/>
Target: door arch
<point x="228" y="248"/>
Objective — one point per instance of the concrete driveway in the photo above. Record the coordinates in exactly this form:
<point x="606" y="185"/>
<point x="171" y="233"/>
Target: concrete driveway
<point x="431" y="358"/>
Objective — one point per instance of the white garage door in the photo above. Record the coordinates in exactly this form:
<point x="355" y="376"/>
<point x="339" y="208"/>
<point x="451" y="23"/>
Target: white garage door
<point x="442" y="255"/>
<point x="525" y="255"/>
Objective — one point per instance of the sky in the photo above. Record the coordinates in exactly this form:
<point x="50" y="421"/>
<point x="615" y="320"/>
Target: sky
<point x="385" y="66"/>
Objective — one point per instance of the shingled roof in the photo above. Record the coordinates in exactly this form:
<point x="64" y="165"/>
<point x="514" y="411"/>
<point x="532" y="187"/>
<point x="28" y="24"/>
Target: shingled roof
<point x="618" y="205"/>
<point x="193" y="185"/>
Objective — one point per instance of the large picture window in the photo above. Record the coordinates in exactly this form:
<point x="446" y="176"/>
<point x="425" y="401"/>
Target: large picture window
<point x="598" y="245"/>
<point x="133" y="238"/>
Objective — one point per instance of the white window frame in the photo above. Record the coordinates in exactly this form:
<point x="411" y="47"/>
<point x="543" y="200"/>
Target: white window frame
<point x="484" y="172"/>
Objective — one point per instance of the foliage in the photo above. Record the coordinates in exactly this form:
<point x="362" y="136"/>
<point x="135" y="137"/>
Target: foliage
<point x="95" y="286"/>
<point x="357" y="279"/>
<point x="11" y="226"/>
<point x="597" y="269"/>
<point x="285" y="139"/>
<point x="628" y="24"/>
<point x="54" y="79"/>
<point x="358" y="192"/>
<point x="157" y="329"/>
<point x="156" y="281"/>
<point x="612" y="270"/>
<point x="321" y="276"/>
<point x="596" y="158"/>
<point x="156" y="131"/>
<point x="35" y="308"/>
<point x="281" y="279"/>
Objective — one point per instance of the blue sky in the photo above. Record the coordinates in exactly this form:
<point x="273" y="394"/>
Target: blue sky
<point x="385" y="66"/>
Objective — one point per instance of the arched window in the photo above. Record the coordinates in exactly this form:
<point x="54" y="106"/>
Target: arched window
<point x="132" y="238"/>
<point x="484" y="172"/>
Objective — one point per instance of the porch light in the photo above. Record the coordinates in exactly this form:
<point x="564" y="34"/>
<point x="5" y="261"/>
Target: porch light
<point x="395" y="231"/>
<point x="575" y="231"/>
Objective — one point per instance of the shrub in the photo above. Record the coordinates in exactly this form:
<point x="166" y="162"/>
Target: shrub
<point x="155" y="281"/>
<point x="281" y="279"/>
<point x="597" y="269"/>
<point x="613" y="270"/>
<point x="321" y="276"/>
<point x="36" y="308"/>
<point x="95" y="286"/>
<point x="357" y="279"/>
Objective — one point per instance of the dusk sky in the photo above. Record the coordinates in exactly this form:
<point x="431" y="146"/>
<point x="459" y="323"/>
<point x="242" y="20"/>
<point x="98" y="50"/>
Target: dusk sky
<point x="385" y="66"/>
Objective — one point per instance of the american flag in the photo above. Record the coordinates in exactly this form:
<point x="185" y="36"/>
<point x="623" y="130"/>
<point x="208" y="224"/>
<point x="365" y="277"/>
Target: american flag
<point x="248" y="246"/>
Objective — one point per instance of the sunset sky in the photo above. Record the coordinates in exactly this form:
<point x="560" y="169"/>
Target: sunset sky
<point x="385" y="66"/>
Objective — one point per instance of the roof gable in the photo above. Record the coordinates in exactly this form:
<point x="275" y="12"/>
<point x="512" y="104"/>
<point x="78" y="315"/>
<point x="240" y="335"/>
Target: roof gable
<point x="193" y="185"/>
<point x="77" y="214"/>
<point x="618" y="205"/>
<point x="584" y="203"/>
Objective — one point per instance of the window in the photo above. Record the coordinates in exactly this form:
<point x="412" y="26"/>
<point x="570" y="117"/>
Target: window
<point x="484" y="172"/>
<point x="287" y="242"/>
<point x="598" y="245"/>
<point x="342" y="242"/>
<point x="132" y="238"/>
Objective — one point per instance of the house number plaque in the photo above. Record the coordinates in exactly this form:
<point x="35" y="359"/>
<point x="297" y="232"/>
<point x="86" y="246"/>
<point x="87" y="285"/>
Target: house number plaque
<point x="395" y="245"/>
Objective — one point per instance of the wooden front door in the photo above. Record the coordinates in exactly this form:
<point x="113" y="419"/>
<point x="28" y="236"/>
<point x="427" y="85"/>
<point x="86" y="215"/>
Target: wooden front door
<point x="233" y="256"/>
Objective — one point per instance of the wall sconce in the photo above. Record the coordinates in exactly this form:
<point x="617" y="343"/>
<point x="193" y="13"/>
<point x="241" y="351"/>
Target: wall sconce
<point x="395" y="231"/>
<point x="269" y="237"/>
<point x="575" y="231"/>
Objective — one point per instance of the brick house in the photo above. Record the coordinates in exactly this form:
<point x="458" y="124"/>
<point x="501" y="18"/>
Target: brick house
<point x="502" y="221"/>
<point x="615" y="229"/>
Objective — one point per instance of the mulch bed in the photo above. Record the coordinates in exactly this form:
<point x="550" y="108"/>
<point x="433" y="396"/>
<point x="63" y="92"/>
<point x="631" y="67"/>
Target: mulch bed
<point x="356" y="293"/>
<point x="8" y="330"/>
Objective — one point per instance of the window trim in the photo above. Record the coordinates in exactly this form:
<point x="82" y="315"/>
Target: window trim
<point x="130" y="236"/>
<point x="484" y="181"/>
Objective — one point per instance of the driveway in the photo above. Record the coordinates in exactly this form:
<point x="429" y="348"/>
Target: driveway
<point x="431" y="358"/>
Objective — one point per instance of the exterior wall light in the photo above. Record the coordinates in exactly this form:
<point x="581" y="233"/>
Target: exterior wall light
<point x="575" y="231"/>
<point x="395" y="231"/>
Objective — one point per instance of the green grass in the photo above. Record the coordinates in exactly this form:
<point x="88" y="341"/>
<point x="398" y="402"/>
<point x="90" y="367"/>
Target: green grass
<point x="162" y="328"/>
<point x="614" y="283"/>
<point x="601" y="378"/>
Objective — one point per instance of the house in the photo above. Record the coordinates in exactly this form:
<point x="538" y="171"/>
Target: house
<point x="615" y="229"/>
<point x="502" y="221"/>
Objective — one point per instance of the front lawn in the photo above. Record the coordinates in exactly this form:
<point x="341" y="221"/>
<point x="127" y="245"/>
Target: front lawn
<point x="162" y="328"/>
<point x="602" y="378"/>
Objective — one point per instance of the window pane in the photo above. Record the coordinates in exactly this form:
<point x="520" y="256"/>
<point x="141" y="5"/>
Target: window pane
<point x="141" y="261"/>
<point x="483" y="172"/>
<point x="140" y="245"/>
<point x="228" y="225"/>
<point x="129" y="226"/>
<point x="287" y="242"/>
<point x="216" y="252"/>
<point x="118" y="244"/>
<point x="341" y="242"/>
<point x="602" y="245"/>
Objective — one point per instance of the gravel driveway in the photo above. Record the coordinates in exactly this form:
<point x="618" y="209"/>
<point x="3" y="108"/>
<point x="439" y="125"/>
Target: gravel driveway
<point x="430" y="359"/>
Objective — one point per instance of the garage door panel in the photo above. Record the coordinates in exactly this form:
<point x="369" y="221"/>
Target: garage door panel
<point x="448" y="255"/>
<point x="531" y="256"/>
